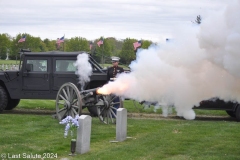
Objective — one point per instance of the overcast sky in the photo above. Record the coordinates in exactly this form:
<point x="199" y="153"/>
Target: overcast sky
<point x="91" y="19"/>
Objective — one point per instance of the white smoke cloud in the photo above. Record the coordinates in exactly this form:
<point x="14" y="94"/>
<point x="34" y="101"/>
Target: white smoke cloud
<point x="84" y="69"/>
<point x="200" y="63"/>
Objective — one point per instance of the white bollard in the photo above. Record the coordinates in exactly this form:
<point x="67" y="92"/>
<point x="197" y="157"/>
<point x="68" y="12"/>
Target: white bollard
<point x="84" y="134"/>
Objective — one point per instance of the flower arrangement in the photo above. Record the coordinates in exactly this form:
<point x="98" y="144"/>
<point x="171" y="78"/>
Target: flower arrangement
<point x="71" y="125"/>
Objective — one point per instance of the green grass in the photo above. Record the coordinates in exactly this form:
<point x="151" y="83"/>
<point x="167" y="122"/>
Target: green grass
<point x="9" y="62"/>
<point x="151" y="139"/>
<point x="36" y="104"/>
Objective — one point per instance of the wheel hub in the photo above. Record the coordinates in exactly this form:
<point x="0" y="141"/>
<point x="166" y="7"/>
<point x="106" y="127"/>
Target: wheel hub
<point x="67" y="105"/>
<point x="106" y="103"/>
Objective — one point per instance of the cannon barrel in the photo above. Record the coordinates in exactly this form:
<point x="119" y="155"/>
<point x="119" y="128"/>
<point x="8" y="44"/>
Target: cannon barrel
<point x="88" y="91"/>
<point x="89" y="94"/>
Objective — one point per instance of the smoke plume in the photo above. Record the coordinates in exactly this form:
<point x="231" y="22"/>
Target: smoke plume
<point x="201" y="62"/>
<point x="84" y="69"/>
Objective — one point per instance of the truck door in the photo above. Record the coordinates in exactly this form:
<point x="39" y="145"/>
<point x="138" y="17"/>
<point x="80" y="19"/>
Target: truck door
<point x="36" y="78"/>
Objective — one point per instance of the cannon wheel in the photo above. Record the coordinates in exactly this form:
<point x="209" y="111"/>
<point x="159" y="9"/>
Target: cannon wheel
<point x="107" y="112"/>
<point x="68" y="101"/>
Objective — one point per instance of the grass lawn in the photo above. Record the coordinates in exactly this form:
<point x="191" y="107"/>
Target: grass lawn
<point x="8" y="62"/>
<point x="170" y="139"/>
<point x="150" y="139"/>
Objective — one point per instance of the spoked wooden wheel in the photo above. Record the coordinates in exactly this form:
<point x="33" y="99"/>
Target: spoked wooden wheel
<point x="107" y="112"/>
<point x="68" y="101"/>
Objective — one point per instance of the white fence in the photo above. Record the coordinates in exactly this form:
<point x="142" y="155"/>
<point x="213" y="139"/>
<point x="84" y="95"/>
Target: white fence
<point x="11" y="67"/>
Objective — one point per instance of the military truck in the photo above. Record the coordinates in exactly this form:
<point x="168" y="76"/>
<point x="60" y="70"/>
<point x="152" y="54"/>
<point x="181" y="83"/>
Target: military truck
<point x="42" y="74"/>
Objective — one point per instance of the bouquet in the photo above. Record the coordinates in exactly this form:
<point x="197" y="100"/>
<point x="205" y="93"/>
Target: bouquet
<point x="71" y="125"/>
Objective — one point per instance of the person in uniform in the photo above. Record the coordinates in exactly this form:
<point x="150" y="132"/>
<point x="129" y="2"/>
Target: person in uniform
<point x="114" y="70"/>
<point x="111" y="75"/>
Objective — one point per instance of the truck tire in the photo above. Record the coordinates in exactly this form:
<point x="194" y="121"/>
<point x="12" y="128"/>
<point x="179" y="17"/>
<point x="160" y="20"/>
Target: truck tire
<point x="12" y="103"/>
<point x="3" y="99"/>
<point x="231" y="113"/>
<point x="238" y="113"/>
<point x="93" y="111"/>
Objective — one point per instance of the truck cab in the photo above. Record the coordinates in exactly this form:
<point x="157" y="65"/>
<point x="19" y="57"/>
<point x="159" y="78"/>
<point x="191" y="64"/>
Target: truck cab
<point x="41" y="74"/>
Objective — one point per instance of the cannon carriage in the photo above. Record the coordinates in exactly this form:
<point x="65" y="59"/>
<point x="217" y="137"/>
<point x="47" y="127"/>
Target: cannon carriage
<point x="70" y="101"/>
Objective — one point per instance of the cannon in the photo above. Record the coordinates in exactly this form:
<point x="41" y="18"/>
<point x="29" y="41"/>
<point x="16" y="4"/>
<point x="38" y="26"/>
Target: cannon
<point x="70" y="101"/>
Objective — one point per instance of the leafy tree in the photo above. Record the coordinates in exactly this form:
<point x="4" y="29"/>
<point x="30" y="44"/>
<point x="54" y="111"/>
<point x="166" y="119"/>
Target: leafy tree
<point x="146" y="44"/>
<point x="5" y="45"/>
<point x="102" y="53"/>
<point x="35" y="44"/>
<point x="77" y="44"/>
<point x="110" y="47"/>
<point x="127" y="54"/>
<point x="50" y="45"/>
<point x="115" y="46"/>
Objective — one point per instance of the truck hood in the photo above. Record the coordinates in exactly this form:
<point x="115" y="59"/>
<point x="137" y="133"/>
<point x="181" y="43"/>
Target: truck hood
<point x="6" y="76"/>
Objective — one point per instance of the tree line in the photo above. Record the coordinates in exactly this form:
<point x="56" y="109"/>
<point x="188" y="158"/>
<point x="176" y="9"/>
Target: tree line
<point x="110" y="47"/>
